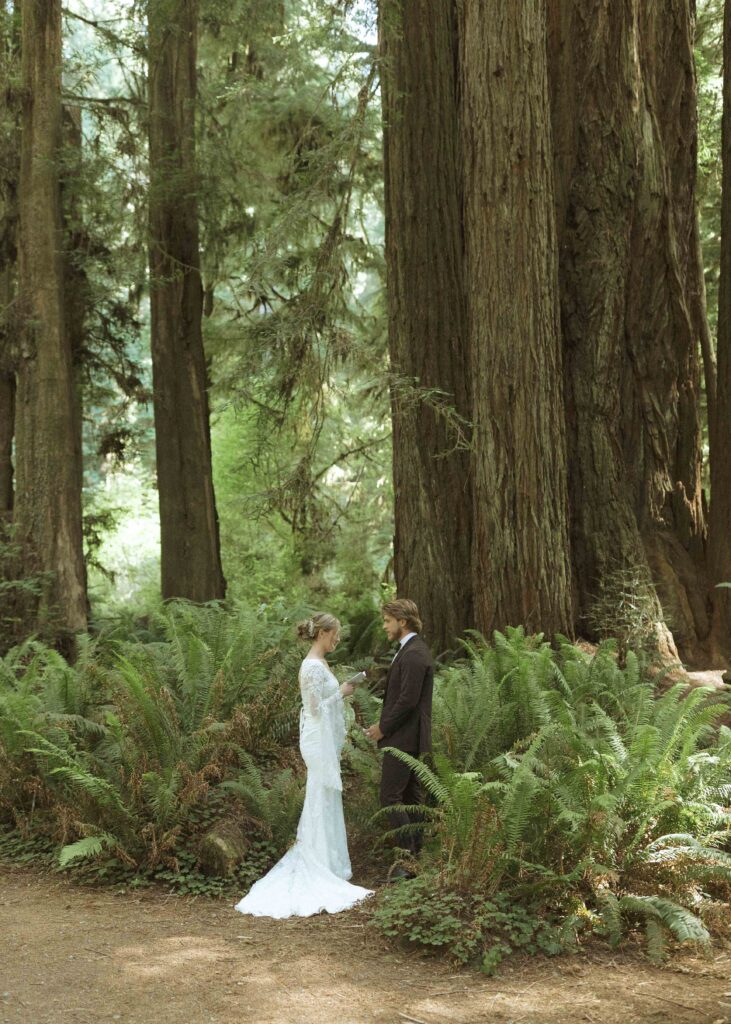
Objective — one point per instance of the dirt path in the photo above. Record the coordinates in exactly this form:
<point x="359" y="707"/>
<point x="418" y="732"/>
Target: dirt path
<point x="78" y="956"/>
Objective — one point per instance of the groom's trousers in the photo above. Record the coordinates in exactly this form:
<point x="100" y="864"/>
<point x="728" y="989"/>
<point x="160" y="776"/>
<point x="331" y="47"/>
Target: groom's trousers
<point x="399" y="785"/>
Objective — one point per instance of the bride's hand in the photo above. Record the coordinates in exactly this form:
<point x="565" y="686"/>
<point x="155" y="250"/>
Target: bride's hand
<point x="346" y="689"/>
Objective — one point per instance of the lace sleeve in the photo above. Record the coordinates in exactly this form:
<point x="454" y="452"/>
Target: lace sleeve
<point x="323" y="709"/>
<point x="313" y="679"/>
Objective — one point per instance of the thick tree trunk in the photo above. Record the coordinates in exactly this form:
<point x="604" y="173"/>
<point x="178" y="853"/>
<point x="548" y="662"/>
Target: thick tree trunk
<point x="48" y="497"/>
<point x="191" y="562"/>
<point x="720" y="512"/>
<point x="623" y="91"/>
<point x="427" y="323"/>
<point x="521" y="567"/>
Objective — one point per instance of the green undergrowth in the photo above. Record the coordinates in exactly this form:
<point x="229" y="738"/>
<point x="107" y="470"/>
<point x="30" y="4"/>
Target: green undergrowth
<point x="126" y="762"/>
<point x="569" y="796"/>
<point x="184" y="878"/>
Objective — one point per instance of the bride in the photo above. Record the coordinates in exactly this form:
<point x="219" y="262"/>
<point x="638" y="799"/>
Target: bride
<point x="313" y="875"/>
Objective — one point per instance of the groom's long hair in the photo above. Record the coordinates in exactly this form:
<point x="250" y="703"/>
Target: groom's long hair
<point x="402" y="608"/>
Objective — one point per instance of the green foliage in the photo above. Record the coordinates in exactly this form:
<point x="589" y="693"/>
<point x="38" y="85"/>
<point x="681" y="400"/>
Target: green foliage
<point x="129" y="758"/>
<point x="186" y="878"/>
<point x="484" y="704"/>
<point x="88" y="847"/>
<point x="19" y="590"/>
<point x="594" y="804"/>
<point x="708" y="60"/>
<point x="416" y="911"/>
<point x="468" y="926"/>
<point x="275" y="804"/>
<point x="289" y="200"/>
<point x="124" y="751"/>
<point x="589" y="790"/>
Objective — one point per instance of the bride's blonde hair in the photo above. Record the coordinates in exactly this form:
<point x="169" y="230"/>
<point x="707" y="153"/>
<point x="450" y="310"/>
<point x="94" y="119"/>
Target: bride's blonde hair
<point x="320" y="622"/>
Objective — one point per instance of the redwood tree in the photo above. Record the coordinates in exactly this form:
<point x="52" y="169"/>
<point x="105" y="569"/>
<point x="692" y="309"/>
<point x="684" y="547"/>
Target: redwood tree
<point x="427" y="326"/>
<point x="720" y="512"/>
<point x="7" y="376"/>
<point x="520" y="558"/>
<point x="48" y="494"/>
<point x="8" y="251"/>
<point x="191" y="562"/>
<point x="481" y="535"/>
<point x="623" y="103"/>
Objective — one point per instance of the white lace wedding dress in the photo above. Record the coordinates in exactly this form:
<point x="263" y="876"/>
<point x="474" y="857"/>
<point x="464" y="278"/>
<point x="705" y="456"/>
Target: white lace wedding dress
<point x="313" y="875"/>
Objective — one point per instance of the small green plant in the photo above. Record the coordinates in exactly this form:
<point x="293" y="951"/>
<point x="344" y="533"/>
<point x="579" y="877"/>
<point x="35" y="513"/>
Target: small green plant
<point x="470" y="928"/>
<point x="424" y="915"/>
<point x="626" y="607"/>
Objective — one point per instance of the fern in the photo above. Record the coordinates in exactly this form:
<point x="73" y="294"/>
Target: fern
<point x="610" y="916"/>
<point x="655" y="937"/>
<point x="274" y="803"/>
<point x="679" y="921"/>
<point x="90" y="846"/>
<point x="71" y="768"/>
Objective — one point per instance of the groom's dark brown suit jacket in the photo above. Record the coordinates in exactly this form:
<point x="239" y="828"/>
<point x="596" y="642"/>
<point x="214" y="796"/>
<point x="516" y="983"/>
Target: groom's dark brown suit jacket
<point x="406" y="713"/>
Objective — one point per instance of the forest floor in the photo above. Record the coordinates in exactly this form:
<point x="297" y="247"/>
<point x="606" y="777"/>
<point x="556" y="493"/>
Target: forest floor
<point x="76" y="955"/>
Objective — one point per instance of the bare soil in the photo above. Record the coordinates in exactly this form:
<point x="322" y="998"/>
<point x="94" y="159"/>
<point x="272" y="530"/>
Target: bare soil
<point x="72" y="955"/>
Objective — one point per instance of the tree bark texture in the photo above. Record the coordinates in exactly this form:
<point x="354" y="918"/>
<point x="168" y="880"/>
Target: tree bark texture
<point x="7" y="429"/>
<point x="426" y="313"/>
<point x="623" y="106"/>
<point x="8" y="256"/>
<point x="9" y="52"/>
<point x="48" y="494"/>
<point x="75" y="282"/>
<point x="520" y="555"/>
<point x="191" y="562"/>
<point x="720" y="511"/>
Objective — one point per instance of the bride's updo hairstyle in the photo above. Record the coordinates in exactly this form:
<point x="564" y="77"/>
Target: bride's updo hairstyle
<point x="320" y="622"/>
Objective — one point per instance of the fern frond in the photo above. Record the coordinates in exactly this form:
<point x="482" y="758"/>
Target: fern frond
<point x="610" y="914"/>
<point x="678" y="920"/>
<point x="91" y="846"/>
<point x="431" y="782"/>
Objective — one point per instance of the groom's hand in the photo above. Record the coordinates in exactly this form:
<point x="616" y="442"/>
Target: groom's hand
<point x="373" y="732"/>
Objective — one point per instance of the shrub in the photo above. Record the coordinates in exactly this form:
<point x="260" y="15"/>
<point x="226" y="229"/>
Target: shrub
<point x="121" y="754"/>
<point x="625" y="607"/>
<point x="468" y="926"/>
<point x="603" y="796"/>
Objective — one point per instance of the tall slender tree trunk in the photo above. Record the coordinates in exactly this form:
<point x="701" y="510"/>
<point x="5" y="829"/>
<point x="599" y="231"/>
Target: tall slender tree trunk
<point x="76" y="285"/>
<point x="521" y="566"/>
<point x="48" y="497"/>
<point x="427" y="318"/>
<point x="7" y="420"/>
<point x="623" y="92"/>
<point x="704" y="329"/>
<point x="8" y="260"/>
<point x="191" y="562"/>
<point x="720" y="512"/>
<point x="7" y="374"/>
<point x="7" y="425"/>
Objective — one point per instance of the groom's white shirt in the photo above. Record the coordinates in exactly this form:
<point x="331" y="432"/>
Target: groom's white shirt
<point x="404" y="640"/>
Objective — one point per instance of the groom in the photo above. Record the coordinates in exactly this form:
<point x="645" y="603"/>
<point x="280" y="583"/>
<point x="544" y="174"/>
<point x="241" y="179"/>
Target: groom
<point x="405" y="717"/>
